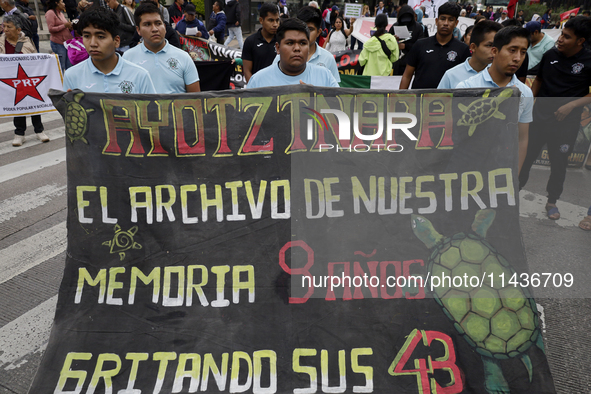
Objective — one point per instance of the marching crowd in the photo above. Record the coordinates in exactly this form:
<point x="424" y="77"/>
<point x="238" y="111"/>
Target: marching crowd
<point x="135" y="49"/>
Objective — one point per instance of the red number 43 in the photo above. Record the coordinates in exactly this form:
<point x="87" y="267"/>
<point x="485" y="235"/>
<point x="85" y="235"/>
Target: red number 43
<point x="424" y="368"/>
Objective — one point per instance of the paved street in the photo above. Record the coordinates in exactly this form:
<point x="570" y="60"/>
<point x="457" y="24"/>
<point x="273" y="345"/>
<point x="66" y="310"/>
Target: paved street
<point x="33" y="245"/>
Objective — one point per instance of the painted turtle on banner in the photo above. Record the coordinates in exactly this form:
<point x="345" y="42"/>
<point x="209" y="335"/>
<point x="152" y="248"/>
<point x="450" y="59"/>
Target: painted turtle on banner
<point x="482" y="110"/>
<point x="123" y="241"/>
<point x="498" y="322"/>
<point x="76" y="119"/>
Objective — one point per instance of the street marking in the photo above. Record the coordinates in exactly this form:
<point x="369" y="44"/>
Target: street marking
<point x="532" y="205"/>
<point x="32" y="251"/>
<point x="32" y="140"/>
<point x="11" y="207"/>
<point x="32" y="164"/>
<point x="46" y="118"/>
<point x="26" y="335"/>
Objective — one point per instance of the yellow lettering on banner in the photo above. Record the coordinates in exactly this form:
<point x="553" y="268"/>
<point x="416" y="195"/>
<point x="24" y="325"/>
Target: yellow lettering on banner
<point x="237" y="285"/>
<point x="235" y="386"/>
<point x="430" y="195"/>
<point x="197" y="287"/>
<point x="182" y="373"/>
<point x="218" y="105"/>
<point x="135" y="205"/>
<point x="508" y="189"/>
<point x="359" y="194"/>
<point x="104" y="207"/>
<point x="161" y="206"/>
<point x="342" y="373"/>
<point x="163" y="107"/>
<point x="258" y="371"/>
<point x="256" y="208"/>
<point x="367" y="371"/>
<point x="220" y="271"/>
<point x="84" y="276"/>
<point x="82" y="203"/>
<point x="154" y="276"/>
<point x="184" y="190"/>
<point x="167" y="300"/>
<point x="114" y="285"/>
<point x="248" y="147"/>
<point x="447" y="178"/>
<point x="275" y="185"/>
<point x="135" y="362"/>
<point x="311" y="371"/>
<point x="217" y="202"/>
<point x="332" y="198"/>
<point x="233" y="186"/>
<point x="67" y="373"/>
<point x="471" y="192"/>
<point x="105" y="374"/>
<point x="403" y="195"/>
<point x="382" y="210"/>
<point x="164" y="358"/>
<point x="220" y="377"/>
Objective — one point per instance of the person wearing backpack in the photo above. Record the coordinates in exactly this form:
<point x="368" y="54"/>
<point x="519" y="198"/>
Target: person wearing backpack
<point x="23" y="6"/>
<point x="14" y="41"/>
<point x="380" y="51"/>
<point x="10" y="8"/>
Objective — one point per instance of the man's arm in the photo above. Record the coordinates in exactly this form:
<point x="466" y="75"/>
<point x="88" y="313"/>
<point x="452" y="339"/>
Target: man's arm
<point x="193" y="88"/>
<point x="406" y="77"/>
<point x="247" y="68"/>
<point x="535" y="87"/>
<point x="566" y="109"/>
<point x="523" y="141"/>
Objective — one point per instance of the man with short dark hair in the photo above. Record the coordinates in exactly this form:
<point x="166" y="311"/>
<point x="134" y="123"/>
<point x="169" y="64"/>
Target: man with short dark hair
<point x="316" y="54"/>
<point x="380" y="9"/>
<point x="217" y="22"/>
<point x="565" y="73"/>
<point x="481" y="45"/>
<point x="540" y="44"/>
<point x="105" y="70"/>
<point x="292" y="45"/>
<point x="172" y="68"/>
<point x="190" y="25"/>
<point x="509" y="50"/>
<point x="430" y="58"/>
<point x="259" y="48"/>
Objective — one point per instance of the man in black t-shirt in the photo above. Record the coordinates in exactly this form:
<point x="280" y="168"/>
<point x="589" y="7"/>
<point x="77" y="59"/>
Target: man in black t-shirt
<point x="564" y="74"/>
<point x="431" y="57"/>
<point x="259" y="49"/>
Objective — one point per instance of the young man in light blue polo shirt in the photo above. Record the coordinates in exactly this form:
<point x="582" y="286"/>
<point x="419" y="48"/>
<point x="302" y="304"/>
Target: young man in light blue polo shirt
<point x="481" y="44"/>
<point x="316" y="54"/>
<point x="172" y="69"/>
<point x="105" y="71"/>
<point x="293" y="38"/>
<point x="510" y="47"/>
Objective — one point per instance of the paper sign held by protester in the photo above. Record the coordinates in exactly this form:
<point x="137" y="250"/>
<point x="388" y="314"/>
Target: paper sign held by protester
<point x="25" y="80"/>
<point x="352" y="10"/>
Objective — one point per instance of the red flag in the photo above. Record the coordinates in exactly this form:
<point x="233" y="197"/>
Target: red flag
<point x="566" y="15"/>
<point x="511" y="9"/>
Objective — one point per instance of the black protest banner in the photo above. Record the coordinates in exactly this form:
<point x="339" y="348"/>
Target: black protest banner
<point x="256" y="242"/>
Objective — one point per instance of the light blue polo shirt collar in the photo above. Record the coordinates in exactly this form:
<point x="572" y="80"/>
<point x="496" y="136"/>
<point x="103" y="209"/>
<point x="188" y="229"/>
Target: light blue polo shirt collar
<point x="164" y="49"/>
<point x="468" y="67"/>
<point x="115" y="71"/>
<point x="316" y="53"/>
<point x="488" y="78"/>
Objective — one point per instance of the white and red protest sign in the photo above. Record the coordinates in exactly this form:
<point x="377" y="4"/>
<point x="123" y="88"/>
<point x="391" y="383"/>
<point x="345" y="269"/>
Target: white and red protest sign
<point x="25" y="80"/>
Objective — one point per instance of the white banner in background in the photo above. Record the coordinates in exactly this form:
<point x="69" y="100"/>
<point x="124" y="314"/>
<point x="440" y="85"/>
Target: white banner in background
<point x="363" y="26"/>
<point x="24" y="82"/>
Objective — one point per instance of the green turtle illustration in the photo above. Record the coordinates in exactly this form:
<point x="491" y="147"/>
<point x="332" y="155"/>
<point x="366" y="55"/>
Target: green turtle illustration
<point x="497" y="322"/>
<point x="76" y="119"/>
<point x="482" y="110"/>
<point x="123" y="241"/>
